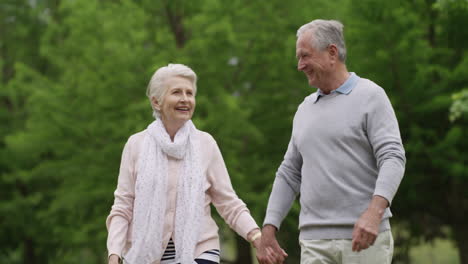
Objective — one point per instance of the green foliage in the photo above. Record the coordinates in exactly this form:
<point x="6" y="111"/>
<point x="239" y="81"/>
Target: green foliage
<point x="72" y="91"/>
<point x="460" y="105"/>
<point x="416" y="58"/>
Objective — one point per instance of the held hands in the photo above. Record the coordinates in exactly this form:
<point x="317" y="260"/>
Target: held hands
<point x="268" y="249"/>
<point x="114" y="259"/>
<point x="366" y="228"/>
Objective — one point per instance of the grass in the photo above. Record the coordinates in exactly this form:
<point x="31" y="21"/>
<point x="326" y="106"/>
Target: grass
<point x="439" y="251"/>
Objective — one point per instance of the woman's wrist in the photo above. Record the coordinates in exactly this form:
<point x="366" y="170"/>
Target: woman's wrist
<point x="254" y="235"/>
<point x="114" y="258"/>
<point x="257" y="243"/>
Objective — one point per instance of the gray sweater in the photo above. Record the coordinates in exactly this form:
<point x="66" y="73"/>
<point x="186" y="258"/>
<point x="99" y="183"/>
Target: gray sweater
<point x="345" y="147"/>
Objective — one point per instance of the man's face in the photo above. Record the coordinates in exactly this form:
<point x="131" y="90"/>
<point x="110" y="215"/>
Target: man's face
<point x="314" y="63"/>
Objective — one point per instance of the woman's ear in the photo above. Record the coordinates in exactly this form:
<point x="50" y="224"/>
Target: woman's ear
<point x="155" y="103"/>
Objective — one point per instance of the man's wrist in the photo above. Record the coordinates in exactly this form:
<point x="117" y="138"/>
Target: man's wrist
<point x="269" y="230"/>
<point x="378" y="205"/>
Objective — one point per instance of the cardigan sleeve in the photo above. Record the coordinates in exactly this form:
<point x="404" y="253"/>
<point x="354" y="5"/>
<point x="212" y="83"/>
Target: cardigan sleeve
<point x="231" y="208"/>
<point x="121" y="213"/>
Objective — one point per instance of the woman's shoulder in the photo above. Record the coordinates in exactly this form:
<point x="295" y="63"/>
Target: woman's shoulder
<point x="135" y="141"/>
<point x="205" y="138"/>
<point x="208" y="147"/>
<point x="138" y="136"/>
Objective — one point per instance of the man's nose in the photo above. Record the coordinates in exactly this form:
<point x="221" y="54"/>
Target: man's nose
<point x="300" y="65"/>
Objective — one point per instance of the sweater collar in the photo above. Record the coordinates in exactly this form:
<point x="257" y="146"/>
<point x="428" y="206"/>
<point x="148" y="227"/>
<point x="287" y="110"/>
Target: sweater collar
<point x="345" y="88"/>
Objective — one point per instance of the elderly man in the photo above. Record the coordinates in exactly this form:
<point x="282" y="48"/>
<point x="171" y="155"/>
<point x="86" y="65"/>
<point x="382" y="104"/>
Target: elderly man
<point x="345" y="158"/>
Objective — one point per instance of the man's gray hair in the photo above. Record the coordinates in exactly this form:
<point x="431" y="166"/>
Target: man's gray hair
<point x="157" y="86"/>
<point x="326" y="32"/>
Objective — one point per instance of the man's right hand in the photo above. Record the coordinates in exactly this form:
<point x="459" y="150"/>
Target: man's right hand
<point x="114" y="259"/>
<point x="269" y="251"/>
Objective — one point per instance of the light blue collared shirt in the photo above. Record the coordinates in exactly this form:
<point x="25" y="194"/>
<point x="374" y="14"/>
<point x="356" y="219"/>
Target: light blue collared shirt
<point x="345" y="88"/>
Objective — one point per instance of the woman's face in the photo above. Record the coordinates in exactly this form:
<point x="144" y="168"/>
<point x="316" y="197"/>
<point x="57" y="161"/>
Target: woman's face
<point x="178" y="103"/>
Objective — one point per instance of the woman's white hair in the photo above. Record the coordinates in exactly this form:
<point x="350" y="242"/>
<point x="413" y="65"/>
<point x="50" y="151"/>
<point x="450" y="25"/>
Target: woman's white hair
<point x="326" y="32"/>
<point x="157" y="87"/>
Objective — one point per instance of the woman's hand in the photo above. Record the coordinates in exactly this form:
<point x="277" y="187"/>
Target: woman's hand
<point x="268" y="250"/>
<point x="257" y="243"/>
<point x="114" y="259"/>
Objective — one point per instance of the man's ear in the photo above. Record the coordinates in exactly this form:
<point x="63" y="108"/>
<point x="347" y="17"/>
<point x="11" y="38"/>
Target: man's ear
<point x="333" y="51"/>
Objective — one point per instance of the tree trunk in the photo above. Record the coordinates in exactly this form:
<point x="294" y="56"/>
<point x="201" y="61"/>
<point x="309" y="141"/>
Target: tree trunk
<point x="176" y="25"/>
<point x="244" y="255"/>
<point x="401" y="256"/>
<point x="461" y="230"/>
<point x="28" y="252"/>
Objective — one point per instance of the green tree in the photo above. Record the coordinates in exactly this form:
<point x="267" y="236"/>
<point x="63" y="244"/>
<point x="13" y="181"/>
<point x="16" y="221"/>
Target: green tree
<point x="61" y="165"/>
<point x="413" y="50"/>
<point x="460" y="105"/>
<point x="20" y="26"/>
<point x="72" y="91"/>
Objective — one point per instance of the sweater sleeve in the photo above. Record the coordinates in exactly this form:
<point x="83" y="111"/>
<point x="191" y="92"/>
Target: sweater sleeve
<point x="122" y="210"/>
<point x="384" y="136"/>
<point x="231" y="208"/>
<point x="286" y="186"/>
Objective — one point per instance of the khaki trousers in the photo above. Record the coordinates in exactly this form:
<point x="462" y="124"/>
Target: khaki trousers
<point x="339" y="251"/>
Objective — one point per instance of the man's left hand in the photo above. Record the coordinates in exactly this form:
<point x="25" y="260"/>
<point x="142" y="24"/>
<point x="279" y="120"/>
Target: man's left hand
<point x="366" y="228"/>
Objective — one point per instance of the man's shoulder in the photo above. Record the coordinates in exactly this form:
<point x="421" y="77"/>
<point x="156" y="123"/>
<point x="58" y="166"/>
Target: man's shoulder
<point x="367" y="86"/>
<point x="370" y="92"/>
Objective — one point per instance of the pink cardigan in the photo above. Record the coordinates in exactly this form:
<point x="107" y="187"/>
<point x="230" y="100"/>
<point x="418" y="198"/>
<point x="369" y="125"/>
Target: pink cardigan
<point x="218" y="191"/>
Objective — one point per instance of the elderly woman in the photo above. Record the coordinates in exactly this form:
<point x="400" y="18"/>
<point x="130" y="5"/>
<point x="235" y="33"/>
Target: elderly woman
<point x="169" y="174"/>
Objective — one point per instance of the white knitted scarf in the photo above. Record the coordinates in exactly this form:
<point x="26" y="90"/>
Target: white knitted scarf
<point x="150" y="195"/>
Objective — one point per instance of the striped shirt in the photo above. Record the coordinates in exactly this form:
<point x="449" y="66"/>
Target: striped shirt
<point x="169" y="255"/>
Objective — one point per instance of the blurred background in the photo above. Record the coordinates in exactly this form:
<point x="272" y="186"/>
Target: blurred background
<point x="72" y="90"/>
